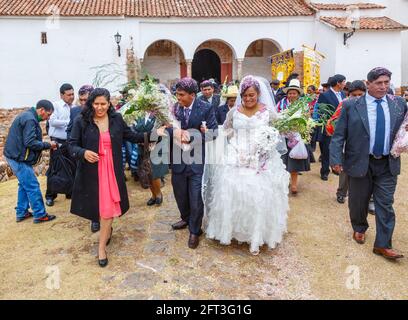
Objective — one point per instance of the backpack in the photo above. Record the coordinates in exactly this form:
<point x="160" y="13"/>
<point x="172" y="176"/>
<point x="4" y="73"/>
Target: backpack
<point x="61" y="172"/>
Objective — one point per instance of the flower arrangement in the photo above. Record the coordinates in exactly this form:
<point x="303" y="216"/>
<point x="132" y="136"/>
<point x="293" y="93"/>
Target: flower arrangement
<point x="147" y="98"/>
<point x="266" y="139"/>
<point x="298" y="118"/>
<point x="400" y="144"/>
<point x="262" y="142"/>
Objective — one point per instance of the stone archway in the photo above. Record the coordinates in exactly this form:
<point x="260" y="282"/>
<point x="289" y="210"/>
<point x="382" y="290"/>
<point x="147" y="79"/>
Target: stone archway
<point x="257" y="58"/>
<point x="164" y="60"/>
<point x="225" y="54"/>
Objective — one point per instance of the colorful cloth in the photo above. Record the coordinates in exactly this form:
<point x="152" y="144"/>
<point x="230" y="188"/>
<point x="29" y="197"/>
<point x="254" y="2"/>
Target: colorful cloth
<point x="331" y="123"/>
<point x="109" y="196"/>
<point x="283" y="104"/>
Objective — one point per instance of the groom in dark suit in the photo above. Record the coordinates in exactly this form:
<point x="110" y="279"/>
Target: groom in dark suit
<point x="331" y="97"/>
<point x="188" y="165"/>
<point x="366" y="129"/>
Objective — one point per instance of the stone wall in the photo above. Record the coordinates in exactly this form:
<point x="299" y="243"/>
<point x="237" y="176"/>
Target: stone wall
<point x="6" y="118"/>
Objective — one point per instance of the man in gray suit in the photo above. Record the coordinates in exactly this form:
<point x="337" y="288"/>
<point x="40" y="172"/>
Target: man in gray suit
<point x="366" y="129"/>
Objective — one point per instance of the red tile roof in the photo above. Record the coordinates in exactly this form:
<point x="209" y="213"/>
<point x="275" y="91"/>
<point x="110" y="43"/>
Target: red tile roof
<point x="367" y="23"/>
<point x="336" y="6"/>
<point x="158" y="8"/>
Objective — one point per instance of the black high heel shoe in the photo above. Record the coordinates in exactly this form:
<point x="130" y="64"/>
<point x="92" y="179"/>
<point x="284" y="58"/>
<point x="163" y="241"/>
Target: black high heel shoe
<point x="103" y="262"/>
<point x="109" y="240"/>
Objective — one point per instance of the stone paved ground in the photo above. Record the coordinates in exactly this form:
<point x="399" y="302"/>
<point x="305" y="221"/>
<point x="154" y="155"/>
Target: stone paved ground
<point x="147" y="260"/>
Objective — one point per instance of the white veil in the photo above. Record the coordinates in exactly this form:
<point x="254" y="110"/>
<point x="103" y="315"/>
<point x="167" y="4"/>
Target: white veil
<point x="215" y="149"/>
<point x="266" y="95"/>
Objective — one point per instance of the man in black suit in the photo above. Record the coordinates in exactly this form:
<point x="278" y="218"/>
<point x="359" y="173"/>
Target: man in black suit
<point x="198" y="124"/>
<point x="207" y="90"/>
<point x="83" y="95"/>
<point x="366" y="130"/>
<point x="231" y="96"/>
<point x="275" y="89"/>
<point x="331" y="97"/>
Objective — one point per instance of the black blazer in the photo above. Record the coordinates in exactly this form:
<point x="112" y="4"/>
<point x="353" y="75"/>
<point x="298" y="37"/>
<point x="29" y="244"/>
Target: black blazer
<point x="201" y="111"/>
<point x="73" y="113"/>
<point x="85" y="136"/>
<point x="214" y="103"/>
<point x="221" y="114"/>
<point x="353" y="133"/>
<point x="330" y="98"/>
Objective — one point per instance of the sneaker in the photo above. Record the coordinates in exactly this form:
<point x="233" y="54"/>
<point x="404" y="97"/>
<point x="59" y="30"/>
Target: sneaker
<point x="46" y="218"/>
<point x="27" y="215"/>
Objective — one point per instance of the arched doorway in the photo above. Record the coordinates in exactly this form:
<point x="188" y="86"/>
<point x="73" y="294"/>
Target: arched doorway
<point x="206" y="65"/>
<point x="257" y="58"/>
<point x="164" y="60"/>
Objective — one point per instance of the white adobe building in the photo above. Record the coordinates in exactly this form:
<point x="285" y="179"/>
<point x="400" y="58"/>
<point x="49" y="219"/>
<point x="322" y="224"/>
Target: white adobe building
<point x="44" y="43"/>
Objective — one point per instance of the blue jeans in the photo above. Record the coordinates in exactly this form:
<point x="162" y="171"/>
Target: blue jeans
<point x="29" y="193"/>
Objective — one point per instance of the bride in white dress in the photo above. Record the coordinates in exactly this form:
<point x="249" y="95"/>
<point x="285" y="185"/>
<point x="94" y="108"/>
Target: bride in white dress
<point x="245" y="184"/>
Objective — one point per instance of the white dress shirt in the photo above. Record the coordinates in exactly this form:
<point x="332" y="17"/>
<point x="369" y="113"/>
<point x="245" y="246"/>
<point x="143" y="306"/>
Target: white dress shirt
<point x="372" y="120"/>
<point x="59" y="120"/>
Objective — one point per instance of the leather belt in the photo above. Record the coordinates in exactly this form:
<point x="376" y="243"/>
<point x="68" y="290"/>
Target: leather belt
<point x="378" y="158"/>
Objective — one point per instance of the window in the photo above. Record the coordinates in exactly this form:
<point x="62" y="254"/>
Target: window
<point x="43" y="37"/>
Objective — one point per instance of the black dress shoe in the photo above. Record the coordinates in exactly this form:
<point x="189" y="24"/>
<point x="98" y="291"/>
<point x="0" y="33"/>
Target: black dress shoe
<point x="103" y="262"/>
<point x="159" y="201"/>
<point x="193" y="241"/>
<point x="109" y="240"/>
<point x="49" y="202"/>
<point x="179" y="225"/>
<point x="151" y="202"/>
<point x="340" y="199"/>
<point x="324" y="177"/>
<point x="95" y="226"/>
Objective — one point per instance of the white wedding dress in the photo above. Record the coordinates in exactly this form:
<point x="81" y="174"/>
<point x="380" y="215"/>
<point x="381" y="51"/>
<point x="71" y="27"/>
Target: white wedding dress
<point x="246" y="191"/>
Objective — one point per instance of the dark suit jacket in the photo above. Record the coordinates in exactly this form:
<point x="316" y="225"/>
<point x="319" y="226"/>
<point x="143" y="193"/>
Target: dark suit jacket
<point x="214" y="103"/>
<point x="73" y="113"/>
<point x="353" y="133"/>
<point x="201" y="111"/>
<point x="221" y="114"/>
<point x="329" y="98"/>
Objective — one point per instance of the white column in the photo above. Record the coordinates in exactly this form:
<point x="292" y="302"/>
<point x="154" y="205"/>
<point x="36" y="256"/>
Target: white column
<point x="239" y="68"/>
<point x="189" y="63"/>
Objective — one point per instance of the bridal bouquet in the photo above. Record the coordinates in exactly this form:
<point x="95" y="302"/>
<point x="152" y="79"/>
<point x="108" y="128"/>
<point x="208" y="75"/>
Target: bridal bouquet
<point x="298" y="118"/>
<point x="400" y="144"/>
<point x="266" y="138"/>
<point x="147" y="98"/>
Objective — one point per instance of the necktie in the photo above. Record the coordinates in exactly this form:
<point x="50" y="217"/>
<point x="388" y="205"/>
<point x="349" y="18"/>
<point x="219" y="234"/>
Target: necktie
<point x="186" y="114"/>
<point x="339" y="97"/>
<point x="378" y="149"/>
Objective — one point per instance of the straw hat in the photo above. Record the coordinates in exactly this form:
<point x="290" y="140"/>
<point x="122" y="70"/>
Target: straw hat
<point x="294" y="84"/>
<point x="232" y="92"/>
